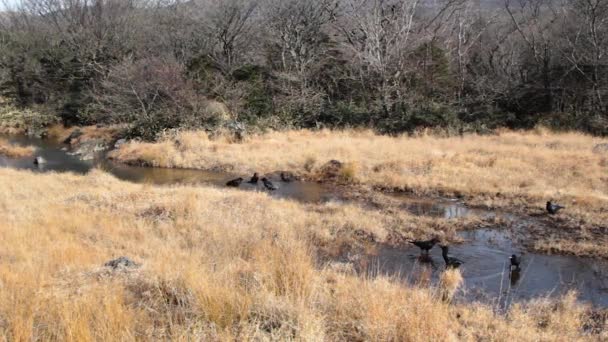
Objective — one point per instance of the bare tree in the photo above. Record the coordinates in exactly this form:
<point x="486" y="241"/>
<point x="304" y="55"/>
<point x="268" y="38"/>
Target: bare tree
<point x="387" y="63"/>
<point x="535" y="22"/>
<point x="230" y="26"/>
<point x="586" y="45"/>
<point x="299" y="29"/>
<point x="378" y="35"/>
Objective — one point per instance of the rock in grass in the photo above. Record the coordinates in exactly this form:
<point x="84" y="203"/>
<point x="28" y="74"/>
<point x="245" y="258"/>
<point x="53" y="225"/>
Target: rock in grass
<point x="601" y="148"/>
<point x="89" y="149"/>
<point x="119" y="143"/>
<point x="122" y="262"/>
<point x="74" y="135"/>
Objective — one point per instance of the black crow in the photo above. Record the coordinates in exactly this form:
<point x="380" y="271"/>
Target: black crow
<point x="553" y="208"/>
<point x="235" y="183"/>
<point x="450" y="262"/>
<point x="425" y="245"/>
<point x="515" y="261"/>
<point x="268" y="184"/>
<point x="254" y="179"/>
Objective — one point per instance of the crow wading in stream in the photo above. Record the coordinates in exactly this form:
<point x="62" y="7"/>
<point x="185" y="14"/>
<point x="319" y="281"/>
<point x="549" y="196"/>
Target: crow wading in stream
<point x="515" y="261"/>
<point x="268" y="184"/>
<point x="425" y="245"/>
<point x="235" y="183"/>
<point x="450" y="262"/>
<point x="553" y="208"/>
<point x="254" y="179"/>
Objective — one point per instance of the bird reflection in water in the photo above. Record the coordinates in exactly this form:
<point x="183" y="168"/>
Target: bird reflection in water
<point x="427" y="260"/>
<point x="514" y="276"/>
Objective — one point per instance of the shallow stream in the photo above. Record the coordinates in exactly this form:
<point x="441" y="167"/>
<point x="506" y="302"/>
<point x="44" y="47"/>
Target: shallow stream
<point x="485" y="252"/>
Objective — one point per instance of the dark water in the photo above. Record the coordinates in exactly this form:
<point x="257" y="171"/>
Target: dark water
<point x="485" y="252"/>
<point x="447" y="208"/>
<point x="59" y="160"/>
<point x="486" y="274"/>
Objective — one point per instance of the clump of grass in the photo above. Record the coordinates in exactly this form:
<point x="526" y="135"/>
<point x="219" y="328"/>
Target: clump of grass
<point x="449" y="282"/>
<point x="348" y="172"/>
<point x="13" y="151"/>
<point x="107" y="134"/>
<point x="309" y="163"/>
<point x="147" y="154"/>
<point x="582" y="247"/>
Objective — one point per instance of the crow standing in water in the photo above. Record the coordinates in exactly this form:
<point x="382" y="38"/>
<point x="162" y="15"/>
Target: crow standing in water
<point x="514" y="273"/>
<point x="235" y="183"/>
<point x="450" y="262"/>
<point x="425" y="245"/>
<point x="268" y="184"/>
<point x="515" y="261"/>
<point x="553" y="208"/>
<point x="254" y="179"/>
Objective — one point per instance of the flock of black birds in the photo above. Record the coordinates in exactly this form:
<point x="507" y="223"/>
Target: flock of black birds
<point x="452" y="262"/>
<point x="424" y="245"/>
<point x="235" y="183"/>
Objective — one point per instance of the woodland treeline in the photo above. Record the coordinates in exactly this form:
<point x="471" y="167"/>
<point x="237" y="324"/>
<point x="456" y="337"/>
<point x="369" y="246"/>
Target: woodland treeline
<point x="393" y="65"/>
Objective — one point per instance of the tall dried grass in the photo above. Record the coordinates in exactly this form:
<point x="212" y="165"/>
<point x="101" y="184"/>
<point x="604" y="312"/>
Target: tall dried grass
<point x="14" y="151"/>
<point x="509" y="169"/>
<point x="216" y="265"/>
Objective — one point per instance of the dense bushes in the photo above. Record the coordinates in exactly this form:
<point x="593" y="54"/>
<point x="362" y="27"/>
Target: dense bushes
<point x="394" y="65"/>
<point x="151" y="93"/>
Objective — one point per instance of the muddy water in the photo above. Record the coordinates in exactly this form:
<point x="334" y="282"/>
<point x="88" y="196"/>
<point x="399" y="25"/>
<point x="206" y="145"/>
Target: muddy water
<point x="485" y="252"/>
<point x="448" y="208"/>
<point x="486" y="269"/>
<point x="59" y="160"/>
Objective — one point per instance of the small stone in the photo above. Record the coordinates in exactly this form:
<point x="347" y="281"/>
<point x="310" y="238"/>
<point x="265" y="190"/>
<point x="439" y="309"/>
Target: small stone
<point x="122" y="262"/>
<point x="119" y="143"/>
<point x="600" y="148"/>
<point x="89" y="149"/>
<point x="74" y="135"/>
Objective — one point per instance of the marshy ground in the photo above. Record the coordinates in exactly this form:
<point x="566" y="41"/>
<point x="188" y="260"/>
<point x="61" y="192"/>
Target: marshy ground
<point x="516" y="172"/>
<point x="221" y="264"/>
<point x="225" y="264"/>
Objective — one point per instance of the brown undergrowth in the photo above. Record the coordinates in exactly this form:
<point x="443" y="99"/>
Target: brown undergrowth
<point x="515" y="171"/>
<point x="14" y="151"/>
<point x="220" y="265"/>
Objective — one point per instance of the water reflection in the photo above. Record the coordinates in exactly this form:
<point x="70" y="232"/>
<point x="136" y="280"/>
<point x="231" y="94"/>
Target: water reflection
<point x="486" y="270"/>
<point x="59" y="160"/>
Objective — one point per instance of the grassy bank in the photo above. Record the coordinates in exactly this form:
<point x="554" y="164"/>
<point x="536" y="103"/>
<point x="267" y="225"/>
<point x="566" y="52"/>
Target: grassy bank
<point x="217" y="265"/>
<point x="510" y="169"/>
<point x="13" y="151"/>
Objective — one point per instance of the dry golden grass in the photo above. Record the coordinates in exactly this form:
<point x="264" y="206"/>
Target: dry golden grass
<point x="14" y="151"/>
<point x="60" y="133"/>
<point x="216" y="265"/>
<point x="591" y="247"/>
<point x="449" y="282"/>
<point x="510" y="169"/>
